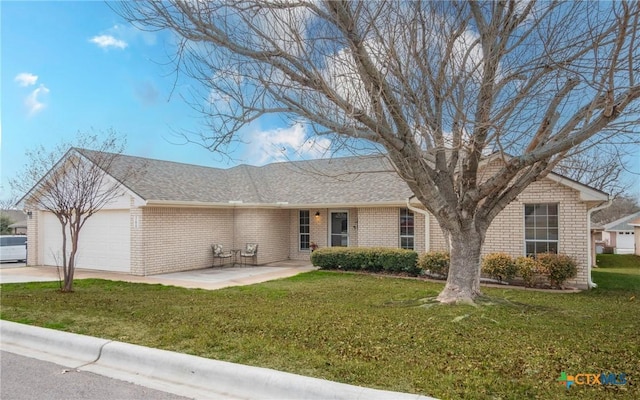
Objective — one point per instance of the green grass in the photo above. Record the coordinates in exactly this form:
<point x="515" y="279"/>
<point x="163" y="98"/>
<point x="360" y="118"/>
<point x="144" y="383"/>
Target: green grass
<point x="619" y="271"/>
<point x="380" y="332"/>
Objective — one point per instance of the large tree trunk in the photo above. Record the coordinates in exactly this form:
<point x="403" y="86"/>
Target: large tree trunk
<point x="463" y="282"/>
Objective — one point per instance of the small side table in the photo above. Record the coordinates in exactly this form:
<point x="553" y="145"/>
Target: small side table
<point x="235" y="256"/>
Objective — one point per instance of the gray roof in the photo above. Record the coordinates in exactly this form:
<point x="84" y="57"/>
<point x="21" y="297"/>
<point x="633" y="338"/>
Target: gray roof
<point x="348" y="180"/>
<point x="622" y="224"/>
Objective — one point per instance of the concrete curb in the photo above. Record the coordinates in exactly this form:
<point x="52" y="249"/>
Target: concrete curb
<point x="177" y="373"/>
<point x="68" y="349"/>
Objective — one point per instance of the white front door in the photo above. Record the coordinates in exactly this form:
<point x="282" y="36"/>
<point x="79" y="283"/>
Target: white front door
<point x="339" y="229"/>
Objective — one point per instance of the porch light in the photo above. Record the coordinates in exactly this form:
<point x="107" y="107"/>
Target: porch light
<point x="317" y="214"/>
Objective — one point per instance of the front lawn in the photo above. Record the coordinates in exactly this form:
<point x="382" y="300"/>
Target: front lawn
<point x="372" y="331"/>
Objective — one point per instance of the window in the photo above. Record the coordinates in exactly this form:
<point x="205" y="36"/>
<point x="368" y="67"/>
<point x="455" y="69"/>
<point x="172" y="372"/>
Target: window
<point x="305" y="238"/>
<point x="407" y="234"/>
<point x="541" y="228"/>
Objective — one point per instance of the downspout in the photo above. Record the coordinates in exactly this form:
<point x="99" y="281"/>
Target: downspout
<point x="590" y="282"/>
<point x="427" y="222"/>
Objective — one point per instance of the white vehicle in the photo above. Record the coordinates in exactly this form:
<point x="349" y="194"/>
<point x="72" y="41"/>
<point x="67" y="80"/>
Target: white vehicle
<point x="13" y="248"/>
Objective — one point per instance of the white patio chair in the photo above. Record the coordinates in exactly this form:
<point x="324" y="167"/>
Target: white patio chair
<point x="220" y="254"/>
<point x="250" y="251"/>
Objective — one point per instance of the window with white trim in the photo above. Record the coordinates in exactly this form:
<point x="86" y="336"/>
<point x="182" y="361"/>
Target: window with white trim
<point x="541" y="228"/>
<point x="304" y="225"/>
<point x="407" y="230"/>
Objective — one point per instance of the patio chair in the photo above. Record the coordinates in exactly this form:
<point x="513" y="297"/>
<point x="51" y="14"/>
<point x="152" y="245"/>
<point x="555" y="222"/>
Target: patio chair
<point x="250" y="251"/>
<point x="220" y="254"/>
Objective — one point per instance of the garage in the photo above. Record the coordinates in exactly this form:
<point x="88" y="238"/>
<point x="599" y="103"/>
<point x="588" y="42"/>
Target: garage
<point x="104" y="241"/>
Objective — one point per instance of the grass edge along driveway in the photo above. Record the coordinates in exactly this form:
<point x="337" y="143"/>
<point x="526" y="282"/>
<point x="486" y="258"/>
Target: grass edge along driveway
<point x="374" y="331"/>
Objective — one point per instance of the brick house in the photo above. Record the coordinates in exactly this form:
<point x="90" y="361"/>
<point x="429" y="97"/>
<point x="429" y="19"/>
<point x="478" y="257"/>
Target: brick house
<point x="168" y="219"/>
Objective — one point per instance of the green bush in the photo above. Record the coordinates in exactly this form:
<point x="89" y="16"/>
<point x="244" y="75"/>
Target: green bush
<point x="371" y="259"/>
<point x="436" y="262"/>
<point x="557" y="267"/>
<point x="529" y="270"/>
<point x="499" y="266"/>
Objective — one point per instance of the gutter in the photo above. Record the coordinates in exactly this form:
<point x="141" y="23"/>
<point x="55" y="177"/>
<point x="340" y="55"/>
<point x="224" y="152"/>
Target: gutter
<point x="279" y="204"/>
<point x="427" y="222"/>
<point x="590" y="282"/>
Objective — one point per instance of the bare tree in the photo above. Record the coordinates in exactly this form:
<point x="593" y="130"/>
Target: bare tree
<point x="434" y="85"/>
<point x="620" y="207"/>
<point x="601" y="168"/>
<point x="73" y="187"/>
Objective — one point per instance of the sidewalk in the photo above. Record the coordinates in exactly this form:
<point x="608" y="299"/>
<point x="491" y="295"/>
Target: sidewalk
<point x="177" y="373"/>
<point x="208" y="278"/>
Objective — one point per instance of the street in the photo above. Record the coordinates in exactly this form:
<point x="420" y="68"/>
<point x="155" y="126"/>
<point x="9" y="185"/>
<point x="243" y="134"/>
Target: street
<point x="28" y="378"/>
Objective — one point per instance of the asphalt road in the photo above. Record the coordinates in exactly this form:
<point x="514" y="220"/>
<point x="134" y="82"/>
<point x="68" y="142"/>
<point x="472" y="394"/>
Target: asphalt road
<point x="23" y="378"/>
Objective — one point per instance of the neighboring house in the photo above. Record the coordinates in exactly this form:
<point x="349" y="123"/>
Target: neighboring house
<point x="636" y="233"/>
<point x="168" y="219"/>
<point x="19" y="221"/>
<point x="620" y="234"/>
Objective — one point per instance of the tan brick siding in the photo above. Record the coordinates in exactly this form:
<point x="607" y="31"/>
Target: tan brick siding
<point x="381" y="227"/>
<point x="137" y="242"/>
<point x="506" y="233"/>
<point x="178" y="239"/>
<point x="33" y="241"/>
<point x="267" y="227"/>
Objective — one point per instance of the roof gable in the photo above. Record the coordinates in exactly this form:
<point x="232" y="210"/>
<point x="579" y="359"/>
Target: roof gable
<point x="622" y="224"/>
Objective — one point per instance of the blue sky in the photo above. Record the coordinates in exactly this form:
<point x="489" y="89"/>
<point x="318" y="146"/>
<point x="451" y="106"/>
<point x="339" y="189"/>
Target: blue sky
<point x="77" y="66"/>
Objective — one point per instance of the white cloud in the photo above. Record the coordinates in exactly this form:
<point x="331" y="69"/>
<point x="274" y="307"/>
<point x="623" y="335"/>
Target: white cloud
<point x="34" y="100"/>
<point x="26" y="79"/>
<point x="107" y="41"/>
<point x="283" y="144"/>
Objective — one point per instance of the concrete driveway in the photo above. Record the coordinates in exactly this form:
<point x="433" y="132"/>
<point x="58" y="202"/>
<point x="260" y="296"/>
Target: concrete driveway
<point x="208" y="278"/>
<point x="11" y="264"/>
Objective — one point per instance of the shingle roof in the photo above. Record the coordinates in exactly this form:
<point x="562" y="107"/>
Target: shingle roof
<point x="348" y="180"/>
<point x="622" y="224"/>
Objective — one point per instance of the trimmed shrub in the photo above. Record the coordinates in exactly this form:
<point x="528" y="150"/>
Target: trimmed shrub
<point x="557" y="267"/>
<point x="499" y="266"/>
<point x="371" y="259"/>
<point x="529" y="270"/>
<point x="436" y="262"/>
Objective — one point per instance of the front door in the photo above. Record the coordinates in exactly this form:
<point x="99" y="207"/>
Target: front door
<point x="339" y="229"/>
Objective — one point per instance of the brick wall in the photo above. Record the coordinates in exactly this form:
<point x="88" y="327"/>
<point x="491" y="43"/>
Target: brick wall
<point x="267" y="227"/>
<point x="178" y="239"/>
<point x="137" y="258"/>
<point x="506" y="233"/>
<point x="379" y="227"/>
<point x="33" y="241"/>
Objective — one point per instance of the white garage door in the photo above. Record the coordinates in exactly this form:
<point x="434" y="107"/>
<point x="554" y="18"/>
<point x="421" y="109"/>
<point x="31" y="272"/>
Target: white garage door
<point x="625" y="243"/>
<point x="104" y="241"/>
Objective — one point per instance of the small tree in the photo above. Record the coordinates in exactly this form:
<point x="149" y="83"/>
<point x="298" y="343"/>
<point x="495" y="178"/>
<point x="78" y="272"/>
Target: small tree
<point x="5" y="221"/>
<point x="73" y="184"/>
